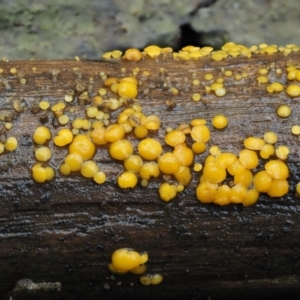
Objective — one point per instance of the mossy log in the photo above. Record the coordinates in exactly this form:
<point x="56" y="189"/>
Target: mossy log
<point x="62" y="233"/>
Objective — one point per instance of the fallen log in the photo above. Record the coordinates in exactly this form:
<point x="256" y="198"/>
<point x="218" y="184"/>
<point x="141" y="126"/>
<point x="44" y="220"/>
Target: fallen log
<point x="57" y="237"/>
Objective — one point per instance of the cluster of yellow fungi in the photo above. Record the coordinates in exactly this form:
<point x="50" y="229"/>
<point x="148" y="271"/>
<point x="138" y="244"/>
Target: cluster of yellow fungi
<point x="146" y="149"/>
<point x="126" y="260"/>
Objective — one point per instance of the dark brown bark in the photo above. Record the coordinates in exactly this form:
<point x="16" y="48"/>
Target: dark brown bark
<point x="65" y="231"/>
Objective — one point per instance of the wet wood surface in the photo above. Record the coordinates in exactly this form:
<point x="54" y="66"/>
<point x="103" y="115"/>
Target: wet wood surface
<point x="65" y="231"/>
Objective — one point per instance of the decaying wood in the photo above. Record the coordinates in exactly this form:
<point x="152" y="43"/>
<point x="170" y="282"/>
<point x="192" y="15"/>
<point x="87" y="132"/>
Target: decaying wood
<point x="63" y="232"/>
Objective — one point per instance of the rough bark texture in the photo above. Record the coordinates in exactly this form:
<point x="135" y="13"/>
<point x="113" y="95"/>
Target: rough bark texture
<point x="64" y="232"/>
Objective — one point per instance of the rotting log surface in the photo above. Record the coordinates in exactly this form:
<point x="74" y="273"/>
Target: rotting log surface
<point x="66" y="230"/>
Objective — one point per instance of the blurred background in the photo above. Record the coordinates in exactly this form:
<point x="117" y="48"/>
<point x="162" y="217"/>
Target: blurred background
<point x="59" y="29"/>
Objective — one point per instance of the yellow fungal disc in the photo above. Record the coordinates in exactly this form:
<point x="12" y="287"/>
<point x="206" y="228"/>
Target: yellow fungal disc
<point x="237" y="194"/>
<point x="214" y="172"/>
<point x="127" y="180"/>
<point x="39" y="173"/>
<point x="183" y="175"/>
<point x="139" y="270"/>
<point x="227" y="159"/>
<point x="88" y="169"/>
<point x="120" y="149"/>
<point x="133" y="163"/>
<point x="156" y="279"/>
<point x="222" y="195"/>
<point x="144" y="257"/>
<point x="43" y="153"/>
<point x="167" y="191"/>
<point x="114" y="132"/>
<point x="64" y="169"/>
<point x="146" y="279"/>
<point x="262" y="181"/>
<point x="98" y="136"/>
<point x="277" y="169"/>
<point x="174" y="138"/>
<point x="266" y="151"/>
<point x="99" y="177"/>
<point x="11" y="143"/>
<point x="44" y="105"/>
<point x="206" y="191"/>
<point x="116" y="54"/>
<point x="49" y="173"/>
<point x="41" y="135"/>
<point x="153" y="51"/>
<point x="140" y="131"/>
<point x="133" y="54"/>
<point x="282" y="152"/>
<point x="125" y="259"/>
<point x="251" y="198"/>
<point x="83" y="146"/>
<point x="243" y="177"/>
<point x="107" y="55"/>
<point x="284" y="111"/>
<point x="149" y="149"/>
<point x="270" y="137"/>
<point x="296" y="129"/>
<point x="168" y="163"/>
<point x="64" y="137"/>
<point x="200" y="133"/>
<point x="253" y="143"/>
<point x="184" y="155"/>
<point x="219" y="121"/>
<point x="197" y="167"/>
<point x="248" y="159"/>
<point x="149" y="169"/>
<point x="278" y="188"/>
<point x="58" y="106"/>
<point x="293" y="90"/>
<point x="74" y="161"/>
<point x="127" y="89"/>
<point x="262" y="79"/>
<point x="275" y="87"/>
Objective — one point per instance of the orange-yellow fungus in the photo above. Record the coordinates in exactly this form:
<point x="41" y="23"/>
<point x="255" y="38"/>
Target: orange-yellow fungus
<point x="200" y="133"/>
<point x="140" y="131"/>
<point x="251" y="198"/>
<point x="206" y="192"/>
<point x="153" y="51"/>
<point x="127" y="180"/>
<point x="266" y="151"/>
<point x="41" y="135"/>
<point x="127" y="89"/>
<point x="253" y="143"/>
<point x="64" y="169"/>
<point x="167" y="191"/>
<point x="219" y="121"/>
<point x="282" y="152"/>
<point x="43" y="153"/>
<point x="133" y="54"/>
<point x="199" y="147"/>
<point x="149" y="149"/>
<point x="278" y="188"/>
<point x="149" y="169"/>
<point x="99" y="177"/>
<point x="133" y="163"/>
<point x="146" y="279"/>
<point x="296" y="129"/>
<point x="120" y="149"/>
<point x="222" y="195"/>
<point x="277" y="169"/>
<point x="183" y="175"/>
<point x="270" y="137"/>
<point x="74" y="161"/>
<point x="39" y="173"/>
<point x="83" y="146"/>
<point x="141" y="269"/>
<point x="293" y="90"/>
<point x="114" y="132"/>
<point x="262" y="181"/>
<point x="184" y="155"/>
<point x="262" y="79"/>
<point x="64" y="137"/>
<point x="11" y="143"/>
<point x="237" y="193"/>
<point x="174" y="138"/>
<point x="49" y="173"/>
<point x="275" y="87"/>
<point x="226" y="159"/>
<point x="214" y="172"/>
<point x="235" y="167"/>
<point x="248" y="159"/>
<point x="243" y="177"/>
<point x="125" y="259"/>
<point x="168" y="163"/>
<point x="88" y="169"/>
<point x="98" y="136"/>
<point x="284" y="111"/>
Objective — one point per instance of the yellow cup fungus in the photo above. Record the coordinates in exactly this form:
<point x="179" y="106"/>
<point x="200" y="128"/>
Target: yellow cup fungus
<point x="120" y="149"/>
<point x="127" y="180"/>
<point x="11" y="143"/>
<point x="167" y="191"/>
<point x="41" y="135"/>
<point x="83" y="146"/>
<point x="43" y="154"/>
<point x="149" y="149"/>
<point x="219" y="122"/>
<point x="63" y="138"/>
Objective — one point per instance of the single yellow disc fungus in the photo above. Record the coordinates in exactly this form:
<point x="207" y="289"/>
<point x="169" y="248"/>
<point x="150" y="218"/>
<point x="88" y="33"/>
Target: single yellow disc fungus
<point x="262" y="181"/>
<point x="44" y="105"/>
<point x="293" y="90"/>
<point x="282" y="152"/>
<point x="49" y="173"/>
<point x="248" y="159"/>
<point x="214" y="150"/>
<point x="65" y="169"/>
<point x="88" y="169"/>
<point x="199" y="147"/>
<point x="277" y="169"/>
<point x="237" y="193"/>
<point x="214" y="172"/>
<point x="74" y="161"/>
<point x="222" y="195"/>
<point x="253" y="143"/>
<point x="144" y="257"/>
<point x="114" y="132"/>
<point x="183" y="175"/>
<point x="120" y="149"/>
<point x="98" y="136"/>
<point x="133" y="54"/>
<point x="127" y="89"/>
<point x="63" y="119"/>
<point x="168" y="163"/>
<point x="11" y="143"/>
<point x="82" y="146"/>
<point x="206" y="191"/>
<point x="64" y="137"/>
<point x="99" y="177"/>
<point x="146" y="279"/>
<point x="243" y="177"/>
<point x="270" y="137"/>
<point x="296" y="129"/>
<point x="196" y="122"/>
<point x="200" y="133"/>
<point x="219" y="122"/>
<point x="174" y="138"/>
<point x="43" y="153"/>
<point x="133" y="163"/>
<point x="39" y="174"/>
<point x="41" y="135"/>
<point x="149" y="149"/>
<point x="226" y="159"/>
<point x="184" y="155"/>
<point x="167" y="191"/>
<point x="266" y="151"/>
<point x="139" y="270"/>
<point x="251" y="198"/>
<point x="284" y="111"/>
<point x="140" y="131"/>
<point x="153" y="51"/>
<point x="125" y="259"/>
<point x="262" y="79"/>
<point x="156" y="279"/>
<point x="196" y="97"/>
<point x="278" y="188"/>
<point x="149" y="169"/>
<point x="127" y="180"/>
